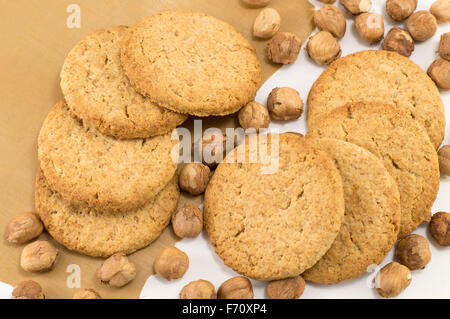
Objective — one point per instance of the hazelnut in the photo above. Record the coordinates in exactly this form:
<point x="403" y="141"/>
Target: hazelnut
<point x="116" y="271"/>
<point x="421" y="25"/>
<point x="87" y="294"/>
<point x="284" y="48"/>
<point x="285" y="104"/>
<point x="254" y="115"/>
<point x="290" y="288"/>
<point x="331" y="19"/>
<point x="187" y="221"/>
<point x="444" y="160"/>
<point x="267" y="23"/>
<point x="236" y="288"/>
<point x="392" y="280"/>
<point x="400" y="41"/>
<point x="441" y="10"/>
<point x="194" y="178"/>
<point x="212" y="148"/>
<point x="444" y="46"/>
<point x="439" y="71"/>
<point x="399" y="10"/>
<point x="199" y="289"/>
<point x="255" y="3"/>
<point x="28" y="289"/>
<point x="440" y="228"/>
<point x="23" y="228"/>
<point x="38" y="256"/>
<point x="323" y="48"/>
<point x="171" y="263"/>
<point x="413" y="252"/>
<point x="357" y="6"/>
<point x="370" y="27"/>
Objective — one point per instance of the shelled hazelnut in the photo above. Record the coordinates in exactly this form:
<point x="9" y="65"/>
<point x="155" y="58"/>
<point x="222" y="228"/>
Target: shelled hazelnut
<point x="212" y="148"/>
<point x="323" y="48"/>
<point x="400" y="41"/>
<point x="444" y="160"/>
<point x="194" y="178"/>
<point x="28" y="289"/>
<point x="38" y="256"/>
<point x="284" y="48"/>
<point x="284" y="104"/>
<point x="399" y="10"/>
<point x="267" y="23"/>
<point x="236" y="288"/>
<point x="199" y="289"/>
<point x="421" y="25"/>
<point x="87" y="294"/>
<point x="255" y="3"/>
<point x="392" y="280"/>
<point x="171" y="263"/>
<point x="440" y="228"/>
<point x="330" y="18"/>
<point x="290" y="288"/>
<point x="187" y="221"/>
<point x="116" y="271"/>
<point x="356" y="7"/>
<point x="413" y="252"/>
<point x="441" y="10"/>
<point x="370" y="27"/>
<point x="23" y="228"/>
<point x="254" y="115"/>
<point x="444" y="46"/>
<point x="439" y="72"/>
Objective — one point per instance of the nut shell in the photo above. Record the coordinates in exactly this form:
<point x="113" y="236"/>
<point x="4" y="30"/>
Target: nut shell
<point x="323" y="48"/>
<point x="330" y="18"/>
<point x="421" y="25"/>
<point x="284" y="104"/>
<point x="171" y="263"/>
<point x="284" y="48"/>
<point x="267" y="23"/>
<point x="199" y="289"/>
<point x="413" y="252"/>
<point x="400" y="41"/>
<point x="23" y="228"/>
<point x="39" y="256"/>
<point x="392" y="280"/>
<point x="236" y="288"/>
<point x="440" y="228"/>
<point x="399" y="10"/>
<point x="290" y="288"/>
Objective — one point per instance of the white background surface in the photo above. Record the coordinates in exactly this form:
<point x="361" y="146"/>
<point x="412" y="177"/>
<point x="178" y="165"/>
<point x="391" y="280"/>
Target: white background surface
<point x="432" y="282"/>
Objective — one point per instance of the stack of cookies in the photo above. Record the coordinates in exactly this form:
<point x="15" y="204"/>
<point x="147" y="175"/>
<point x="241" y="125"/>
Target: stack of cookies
<point x="108" y="152"/>
<point x="366" y="174"/>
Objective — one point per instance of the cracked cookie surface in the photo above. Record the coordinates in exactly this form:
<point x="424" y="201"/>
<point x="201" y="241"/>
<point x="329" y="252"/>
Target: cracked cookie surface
<point x="97" y="90"/>
<point x="100" y="234"/>
<point x="93" y="170"/>
<point x="372" y="214"/>
<point x="273" y="226"/>
<point x="379" y="76"/>
<point x="402" y="145"/>
<point x="191" y="63"/>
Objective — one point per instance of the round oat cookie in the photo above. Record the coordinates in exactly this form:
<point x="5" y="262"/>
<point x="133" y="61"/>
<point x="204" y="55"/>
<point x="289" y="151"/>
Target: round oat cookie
<point x="97" y="91"/>
<point x="379" y="76"/>
<point x="271" y="225"/>
<point x="191" y="63"/>
<point x="372" y="214"/>
<point x="402" y="145"/>
<point x="100" y="234"/>
<point x="92" y="170"/>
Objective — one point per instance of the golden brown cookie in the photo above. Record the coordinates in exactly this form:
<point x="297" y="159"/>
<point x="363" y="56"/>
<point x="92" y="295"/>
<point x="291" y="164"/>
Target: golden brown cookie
<point x="191" y="63"/>
<point x="379" y="76"/>
<point x="402" y="145"/>
<point x="372" y="214"/>
<point x="100" y="234"/>
<point x="96" y="171"/>
<point x="271" y="225"/>
<point x="97" y="90"/>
